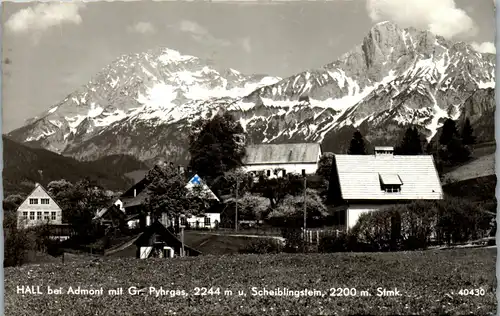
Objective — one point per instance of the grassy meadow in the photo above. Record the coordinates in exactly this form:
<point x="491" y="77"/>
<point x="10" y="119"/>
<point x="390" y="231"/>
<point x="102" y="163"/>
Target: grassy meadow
<point x="429" y="283"/>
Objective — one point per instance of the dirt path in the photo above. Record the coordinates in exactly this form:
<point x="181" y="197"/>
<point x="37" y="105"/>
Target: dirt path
<point x="240" y="235"/>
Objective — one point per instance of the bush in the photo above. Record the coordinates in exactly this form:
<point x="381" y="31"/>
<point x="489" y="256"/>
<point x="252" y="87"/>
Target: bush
<point x="262" y="246"/>
<point x="293" y="239"/>
<point x="413" y="226"/>
<point x="336" y="243"/>
<point x="374" y="230"/>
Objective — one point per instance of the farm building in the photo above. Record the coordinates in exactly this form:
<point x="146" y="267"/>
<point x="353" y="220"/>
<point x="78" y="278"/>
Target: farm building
<point x="277" y="160"/>
<point x="207" y="220"/>
<point x="155" y="241"/>
<point x="158" y="241"/>
<point x="132" y="204"/>
<point x="364" y="183"/>
<point x="114" y="215"/>
<point x="38" y="208"/>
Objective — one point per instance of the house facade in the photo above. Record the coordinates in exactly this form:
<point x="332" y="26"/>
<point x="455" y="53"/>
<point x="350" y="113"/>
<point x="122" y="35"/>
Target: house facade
<point x="278" y="160"/>
<point x="38" y="208"/>
<point x="366" y="183"/>
<point x="133" y="204"/>
<point x="205" y="221"/>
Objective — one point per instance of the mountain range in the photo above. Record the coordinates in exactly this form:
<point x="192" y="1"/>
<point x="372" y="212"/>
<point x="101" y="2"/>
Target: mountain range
<point x="143" y="104"/>
<point x="23" y="166"/>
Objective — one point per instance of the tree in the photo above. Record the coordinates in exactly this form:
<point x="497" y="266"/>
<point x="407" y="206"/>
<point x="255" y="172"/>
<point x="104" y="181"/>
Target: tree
<point x="453" y="150"/>
<point x="12" y="202"/>
<point x="448" y="131"/>
<point x="226" y="183"/>
<point x="250" y="207"/>
<point x="357" y="145"/>
<point x="325" y="165"/>
<point x="16" y="242"/>
<point x="168" y="193"/>
<point x="57" y="186"/>
<point x="456" y="152"/>
<point x="80" y="202"/>
<point x="276" y="189"/>
<point x="468" y="137"/>
<point x="216" y="145"/>
<point x="290" y="212"/>
<point x="411" y="143"/>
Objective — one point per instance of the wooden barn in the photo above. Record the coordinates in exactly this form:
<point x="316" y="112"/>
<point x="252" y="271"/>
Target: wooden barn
<point x="157" y="241"/>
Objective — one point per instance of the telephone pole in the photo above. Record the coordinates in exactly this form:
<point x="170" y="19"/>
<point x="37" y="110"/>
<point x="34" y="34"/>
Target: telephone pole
<point x="305" y="204"/>
<point x="236" y="213"/>
<point x="305" y="215"/>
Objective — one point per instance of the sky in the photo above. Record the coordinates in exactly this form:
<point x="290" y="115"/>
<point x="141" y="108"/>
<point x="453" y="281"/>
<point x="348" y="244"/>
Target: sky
<point x="50" y="50"/>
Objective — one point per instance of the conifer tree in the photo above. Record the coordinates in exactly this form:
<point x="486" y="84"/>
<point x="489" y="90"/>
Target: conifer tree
<point x="357" y="145"/>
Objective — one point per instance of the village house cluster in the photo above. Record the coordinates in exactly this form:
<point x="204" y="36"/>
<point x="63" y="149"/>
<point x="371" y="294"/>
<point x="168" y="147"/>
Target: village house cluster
<point x="360" y="183"/>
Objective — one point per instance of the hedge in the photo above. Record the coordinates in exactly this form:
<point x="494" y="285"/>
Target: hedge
<point x="413" y="226"/>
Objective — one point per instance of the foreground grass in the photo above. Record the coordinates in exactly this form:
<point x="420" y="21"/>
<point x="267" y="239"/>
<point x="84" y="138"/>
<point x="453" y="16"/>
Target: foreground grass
<point x="215" y="244"/>
<point x="428" y="281"/>
<point x="480" y="167"/>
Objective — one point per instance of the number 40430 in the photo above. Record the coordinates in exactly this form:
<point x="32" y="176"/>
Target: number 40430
<point x="472" y="292"/>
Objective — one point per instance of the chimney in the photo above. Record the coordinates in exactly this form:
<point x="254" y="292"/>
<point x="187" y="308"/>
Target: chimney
<point x="135" y="192"/>
<point x="385" y="151"/>
<point x="180" y="169"/>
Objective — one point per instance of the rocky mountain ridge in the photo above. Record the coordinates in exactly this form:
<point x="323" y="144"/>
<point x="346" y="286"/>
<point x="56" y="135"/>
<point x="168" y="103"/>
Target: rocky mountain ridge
<point x="143" y="104"/>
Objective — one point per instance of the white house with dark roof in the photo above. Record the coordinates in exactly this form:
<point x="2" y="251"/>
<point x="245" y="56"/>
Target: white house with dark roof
<point x="38" y="208"/>
<point x="364" y="183"/>
<point x="277" y="160"/>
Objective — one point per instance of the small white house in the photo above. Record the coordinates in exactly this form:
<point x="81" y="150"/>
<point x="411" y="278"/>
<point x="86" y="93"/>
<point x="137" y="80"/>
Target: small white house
<point x="208" y="220"/>
<point x="366" y="183"/>
<point x="277" y="160"/>
<point x="38" y="208"/>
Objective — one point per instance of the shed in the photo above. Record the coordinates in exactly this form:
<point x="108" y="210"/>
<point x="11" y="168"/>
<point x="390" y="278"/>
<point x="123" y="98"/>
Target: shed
<point x="158" y="241"/>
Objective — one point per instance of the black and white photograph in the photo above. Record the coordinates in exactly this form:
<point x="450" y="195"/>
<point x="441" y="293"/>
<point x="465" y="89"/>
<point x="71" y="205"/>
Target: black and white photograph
<point x="249" y="157"/>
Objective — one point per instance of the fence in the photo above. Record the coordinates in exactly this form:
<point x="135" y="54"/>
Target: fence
<point x="264" y="231"/>
<point x="313" y="236"/>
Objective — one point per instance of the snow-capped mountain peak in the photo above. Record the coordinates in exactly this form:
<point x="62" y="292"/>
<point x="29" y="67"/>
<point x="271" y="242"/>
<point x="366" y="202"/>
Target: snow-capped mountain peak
<point x="393" y="78"/>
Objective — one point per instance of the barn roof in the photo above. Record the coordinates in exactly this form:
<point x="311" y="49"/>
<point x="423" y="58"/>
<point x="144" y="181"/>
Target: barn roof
<point x="158" y="228"/>
<point x="361" y="177"/>
<point x="282" y="153"/>
<point x="140" y="199"/>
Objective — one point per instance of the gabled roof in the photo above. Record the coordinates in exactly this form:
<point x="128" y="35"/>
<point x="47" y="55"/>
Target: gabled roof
<point x="282" y="153"/>
<point x="139" y="187"/>
<point x="361" y="176"/>
<point x="106" y="211"/>
<point x="140" y="199"/>
<point x="158" y="228"/>
<point x="205" y="191"/>
<point x="38" y="185"/>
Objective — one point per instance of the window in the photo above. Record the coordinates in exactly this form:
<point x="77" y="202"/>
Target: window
<point x="268" y="173"/>
<point x="392" y="188"/>
<point x="303" y="172"/>
<point x="183" y="221"/>
<point x="53" y="216"/>
<point x="390" y="183"/>
<point x="33" y="201"/>
<point x="284" y="173"/>
<point x="38" y="215"/>
<point x="46" y="215"/>
<point x="207" y="221"/>
<point x="25" y="215"/>
<point x="32" y="216"/>
<point x="44" y="201"/>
